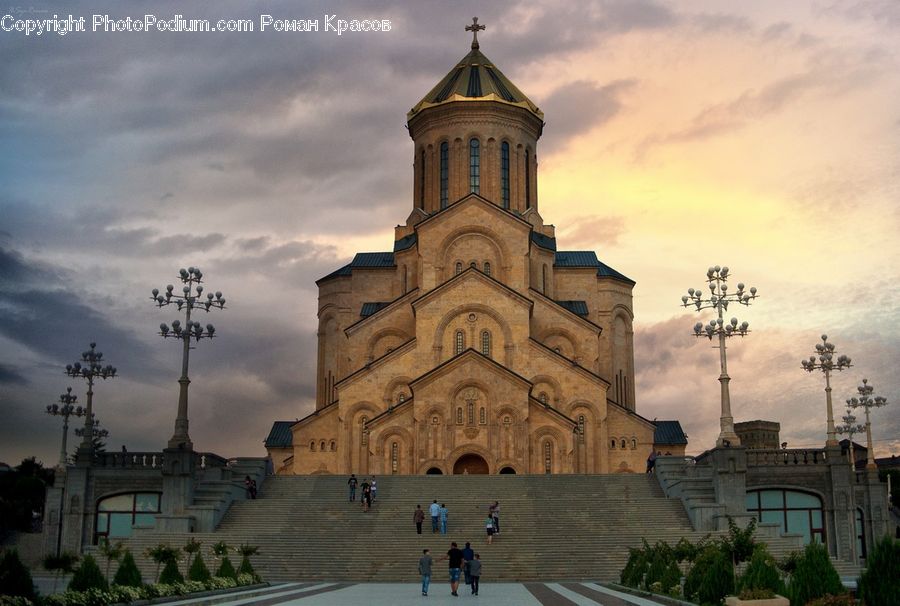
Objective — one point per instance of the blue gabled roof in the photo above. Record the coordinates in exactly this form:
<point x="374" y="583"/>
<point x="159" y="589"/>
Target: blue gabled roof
<point x="543" y="241"/>
<point x="405" y="242"/>
<point x="372" y="307"/>
<point x="576" y="307"/>
<point x="280" y="436"/>
<point x="366" y="260"/>
<point x="373" y="259"/>
<point x="588" y="258"/>
<point x="669" y="432"/>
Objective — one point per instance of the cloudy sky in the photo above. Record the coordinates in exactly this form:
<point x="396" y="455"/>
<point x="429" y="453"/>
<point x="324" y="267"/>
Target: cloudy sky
<point x="764" y="136"/>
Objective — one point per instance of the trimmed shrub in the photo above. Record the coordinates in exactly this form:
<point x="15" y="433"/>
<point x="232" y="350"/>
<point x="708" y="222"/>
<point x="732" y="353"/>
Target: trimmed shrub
<point x="814" y="576"/>
<point x="123" y="594"/>
<point x="170" y="574"/>
<point x="246" y="567"/>
<point x="761" y="573"/>
<point x="663" y="569"/>
<point x="128" y="574"/>
<point x="88" y="576"/>
<point x="711" y="577"/>
<point x="221" y="583"/>
<point x="15" y="580"/>
<point x="226" y="569"/>
<point x="879" y="585"/>
<point x="199" y="571"/>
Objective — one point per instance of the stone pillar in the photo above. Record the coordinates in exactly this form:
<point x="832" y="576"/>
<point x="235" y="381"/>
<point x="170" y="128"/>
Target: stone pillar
<point x="53" y="514"/>
<point x="75" y="508"/>
<point x="840" y="523"/>
<point x="877" y="520"/>
<point x="730" y="483"/>
<point x="178" y="491"/>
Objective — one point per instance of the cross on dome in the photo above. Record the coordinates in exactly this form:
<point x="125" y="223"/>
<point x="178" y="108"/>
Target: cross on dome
<point x="475" y="28"/>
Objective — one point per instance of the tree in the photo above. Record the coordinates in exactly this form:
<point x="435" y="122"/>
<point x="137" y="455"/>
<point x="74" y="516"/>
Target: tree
<point x="170" y="574"/>
<point x="762" y="573"/>
<point x="162" y="554"/>
<point x="111" y="551"/>
<point x="879" y="585"/>
<point x="88" y="576"/>
<point x="814" y="576"/>
<point x="198" y="570"/>
<point x="62" y="564"/>
<point x="246" y="551"/>
<point x="191" y="547"/>
<point x="128" y="574"/>
<point x="14" y="576"/>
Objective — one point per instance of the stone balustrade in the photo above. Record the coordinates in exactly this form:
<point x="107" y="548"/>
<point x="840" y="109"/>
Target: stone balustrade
<point x="787" y="456"/>
<point x="154" y="460"/>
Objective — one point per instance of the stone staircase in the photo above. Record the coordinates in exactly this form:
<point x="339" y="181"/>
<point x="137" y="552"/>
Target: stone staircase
<point x="219" y="487"/>
<point x="553" y="527"/>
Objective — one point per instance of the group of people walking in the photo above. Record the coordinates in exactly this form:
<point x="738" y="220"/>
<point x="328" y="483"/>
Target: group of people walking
<point x="369" y="491"/>
<point x="439" y="514"/>
<point x="461" y="561"/>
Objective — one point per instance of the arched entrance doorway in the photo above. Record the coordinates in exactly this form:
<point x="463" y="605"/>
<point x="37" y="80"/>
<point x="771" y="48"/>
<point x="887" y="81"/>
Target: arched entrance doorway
<point x="470" y="464"/>
<point x="434" y="471"/>
<point x="507" y="470"/>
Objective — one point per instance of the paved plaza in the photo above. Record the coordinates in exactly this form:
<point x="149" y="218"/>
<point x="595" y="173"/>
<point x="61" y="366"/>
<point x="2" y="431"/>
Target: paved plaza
<point x="406" y="594"/>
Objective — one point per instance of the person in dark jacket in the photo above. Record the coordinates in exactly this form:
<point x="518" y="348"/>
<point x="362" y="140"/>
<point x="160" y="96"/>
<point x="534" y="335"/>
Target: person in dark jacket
<point x="475" y="573"/>
<point x="418" y="518"/>
<point x="468" y="556"/>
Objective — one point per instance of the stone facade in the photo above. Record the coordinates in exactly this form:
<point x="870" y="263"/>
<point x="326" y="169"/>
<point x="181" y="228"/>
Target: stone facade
<point x="759" y="434"/>
<point x="475" y="346"/>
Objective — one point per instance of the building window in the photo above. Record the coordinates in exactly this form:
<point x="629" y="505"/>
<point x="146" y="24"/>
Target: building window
<point x="473" y="264"/>
<point x="860" y="534"/>
<point x="422" y="180"/>
<point x="364" y="431"/>
<point x="507" y="420"/>
<point x="544" y="280"/>
<point x="504" y="173"/>
<point x="445" y="167"/>
<point x="322" y="445"/>
<point x="458" y="267"/>
<point x="395" y="452"/>
<point x="117" y="515"/>
<point x="527" y="179"/>
<point x="487" y="268"/>
<point x="312" y="445"/>
<point x="548" y="457"/>
<point x="333" y="446"/>
<point x="459" y="417"/>
<point x="460" y="342"/>
<point x="794" y="511"/>
<point x="612" y="444"/>
<point x="470" y="409"/>
<point x="581" y="428"/>
<point x="543" y="398"/>
<point x="434" y="420"/>
<point x="622" y="444"/>
<point x="633" y="443"/>
<point x="474" y="166"/>
<point x="486" y="343"/>
<point x="482" y="416"/>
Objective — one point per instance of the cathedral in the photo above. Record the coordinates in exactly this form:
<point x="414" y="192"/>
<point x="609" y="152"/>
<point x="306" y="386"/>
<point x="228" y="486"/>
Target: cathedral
<point x="476" y="345"/>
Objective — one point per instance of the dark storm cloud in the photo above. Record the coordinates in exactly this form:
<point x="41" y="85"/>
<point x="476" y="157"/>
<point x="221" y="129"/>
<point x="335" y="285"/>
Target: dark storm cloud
<point x="11" y="376"/>
<point x="578" y="107"/>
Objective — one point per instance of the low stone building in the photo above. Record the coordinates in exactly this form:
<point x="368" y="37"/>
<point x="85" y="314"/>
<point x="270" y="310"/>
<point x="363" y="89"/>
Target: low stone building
<point x="759" y="434"/>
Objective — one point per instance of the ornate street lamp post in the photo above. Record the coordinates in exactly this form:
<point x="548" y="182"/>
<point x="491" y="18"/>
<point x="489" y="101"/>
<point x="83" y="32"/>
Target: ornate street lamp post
<point x="91" y="370"/>
<point x="65" y="409"/>
<point x="850" y="428"/>
<point x="867" y="401"/>
<point x="719" y="298"/>
<point x="99" y="433"/>
<point x="826" y="362"/>
<point x="190" y="299"/>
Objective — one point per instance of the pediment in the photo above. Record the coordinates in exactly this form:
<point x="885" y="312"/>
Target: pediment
<point x="474" y="205"/>
<point x="468" y="365"/>
<point x="465" y="280"/>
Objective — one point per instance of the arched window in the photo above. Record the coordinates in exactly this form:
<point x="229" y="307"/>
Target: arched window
<point x="458" y="267"/>
<point x="544" y="280"/>
<point x="473" y="264"/>
<point x="507" y="420"/>
<point x="527" y="179"/>
<point x="860" y="534"/>
<point x="485" y="343"/>
<point x="470" y="409"/>
<point x="333" y="446"/>
<point x="633" y="443"/>
<point x="548" y="457"/>
<point x="445" y="168"/>
<point x="543" y="398"/>
<point x="364" y="431"/>
<point x="482" y="416"/>
<point x="612" y="444"/>
<point x="395" y="454"/>
<point x="403" y="280"/>
<point x="460" y="342"/>
<point x="622" y="444"/>
<point x="459" y="417"/>
<point x="312" y="445"/>
<point x="795" y="511"/>
<point x="487" y="268"/>
<point x="117" y="515"/>
<point x="422" y="180"/>
<point x="435" y="420"/>
<point x="504" y="173"/>
<point x="322" y="445"/>
<point x="474" y="166"/>
<point x="581" y="428"/>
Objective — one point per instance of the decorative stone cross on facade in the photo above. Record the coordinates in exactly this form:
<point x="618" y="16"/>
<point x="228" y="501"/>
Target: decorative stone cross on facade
<point x="471" y="396"/>
<point x="475" y="28"/>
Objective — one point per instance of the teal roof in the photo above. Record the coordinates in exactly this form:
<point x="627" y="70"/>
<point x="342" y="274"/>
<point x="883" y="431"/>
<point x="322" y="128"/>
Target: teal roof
<point x="366" y="260"/>
<point x="669" y="432"/>
<point x="405" y="242"/>
<point x="280" y="436"/>
<point x="588" y="259"/>
<point x="576" y="307"/>
<point x="370" y="308"/>
<point x="543" y="241"/>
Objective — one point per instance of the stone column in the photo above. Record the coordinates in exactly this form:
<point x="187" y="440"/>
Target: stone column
<point x="840" y="522"/>
<point x="178" y="491"/>
<point x="730" y="483"/>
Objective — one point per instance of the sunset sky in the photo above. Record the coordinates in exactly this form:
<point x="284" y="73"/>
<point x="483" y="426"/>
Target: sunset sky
<point x="764" y="136"/>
